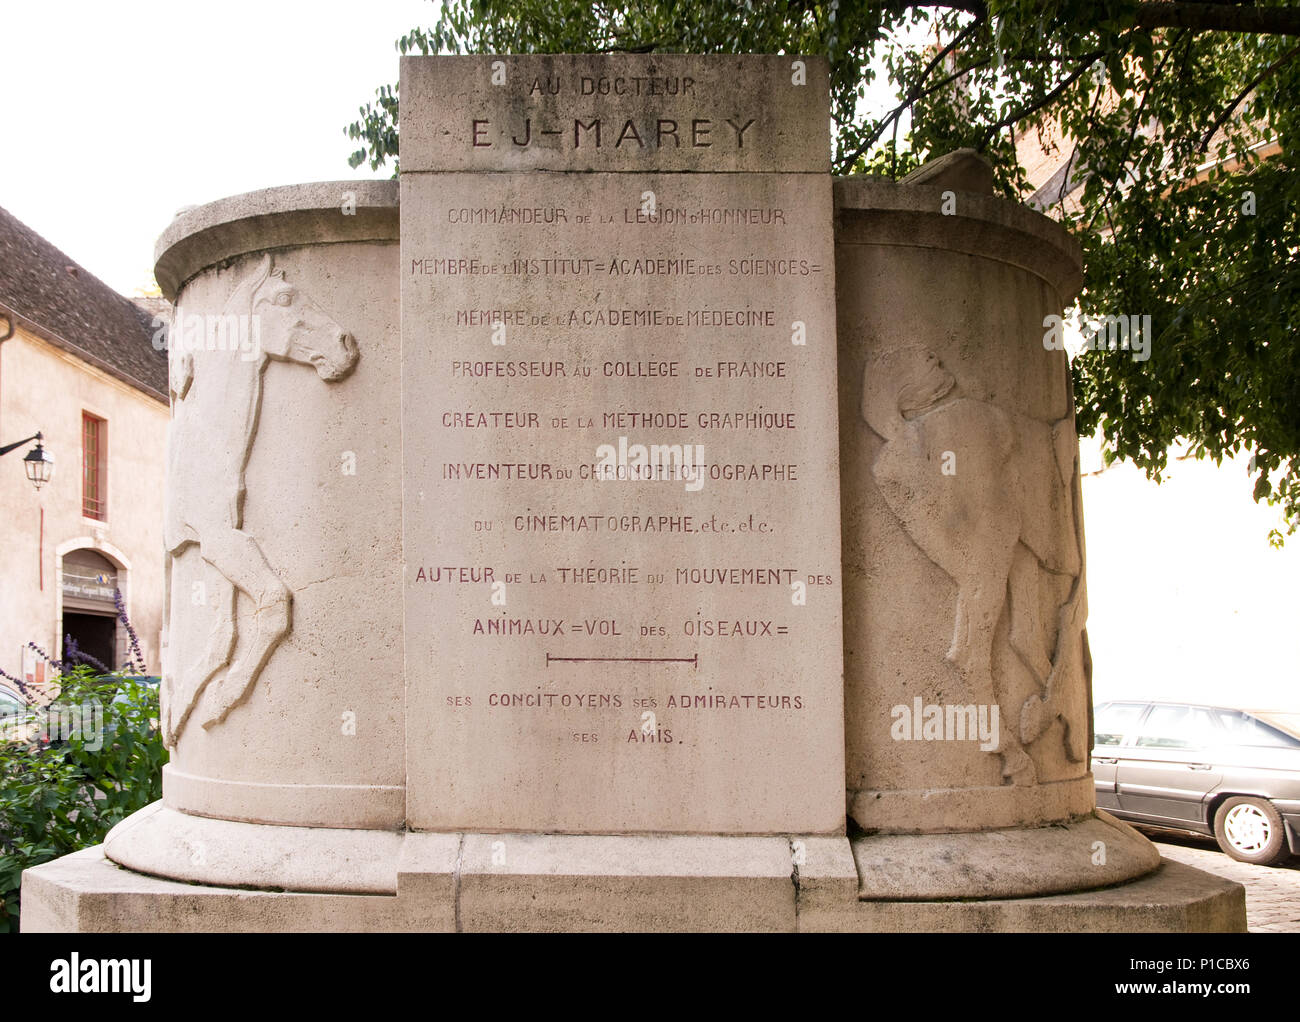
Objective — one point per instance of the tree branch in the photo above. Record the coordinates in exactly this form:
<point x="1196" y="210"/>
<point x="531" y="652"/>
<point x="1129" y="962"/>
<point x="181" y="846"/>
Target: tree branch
<point x="1219" y="17"/>
<point x="1069" y="171"/>
<point x="913" y="93"/>
<point x="1137" y="116"/>
<point x="1205" y="142"/>
<point x="1038" y="104"/>
<point x="1191" y="14"/>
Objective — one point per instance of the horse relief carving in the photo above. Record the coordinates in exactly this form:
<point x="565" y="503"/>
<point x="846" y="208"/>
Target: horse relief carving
<point x="981" y="524"/>
<point x="216" y="398"/>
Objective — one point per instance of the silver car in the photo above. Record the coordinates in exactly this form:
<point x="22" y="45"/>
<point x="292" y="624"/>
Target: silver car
<point x="1230" y="774"/>
<point x="13" y="715"/>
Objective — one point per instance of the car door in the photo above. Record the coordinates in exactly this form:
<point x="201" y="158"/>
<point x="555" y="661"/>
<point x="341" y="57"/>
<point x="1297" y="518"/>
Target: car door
<point x="1169" y="769"/>
<point x="1113" y="725"/>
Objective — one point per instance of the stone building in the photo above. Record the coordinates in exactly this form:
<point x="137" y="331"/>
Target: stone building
<point x="77" y="364"/>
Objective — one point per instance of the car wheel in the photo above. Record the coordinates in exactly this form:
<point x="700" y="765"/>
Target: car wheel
<point x="1250" y="830"/>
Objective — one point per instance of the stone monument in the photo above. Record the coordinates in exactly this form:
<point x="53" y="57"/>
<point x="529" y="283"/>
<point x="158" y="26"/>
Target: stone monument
<point x="525" y="571"/>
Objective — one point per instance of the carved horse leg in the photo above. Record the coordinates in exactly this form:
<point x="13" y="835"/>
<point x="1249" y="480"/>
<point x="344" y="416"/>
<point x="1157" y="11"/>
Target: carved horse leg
<point x="979" y="605"/>
<point x="237" y="556"/>
<point x="1040" y="710"/>
<point x="972" y="637"/>
<point x="167" y="686"/>
<point x="1071" y="654"/>
<point x="219" y="649"/>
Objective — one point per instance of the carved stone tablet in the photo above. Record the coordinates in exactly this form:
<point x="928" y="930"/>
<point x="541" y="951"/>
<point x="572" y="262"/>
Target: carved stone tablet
<point x="621" y="491"/>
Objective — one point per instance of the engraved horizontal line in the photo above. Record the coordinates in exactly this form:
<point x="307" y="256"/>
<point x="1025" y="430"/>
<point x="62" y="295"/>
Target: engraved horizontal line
<point x="694" y="661"/>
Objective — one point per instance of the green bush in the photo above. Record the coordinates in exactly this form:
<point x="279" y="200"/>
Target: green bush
<point x="62" y="795"/>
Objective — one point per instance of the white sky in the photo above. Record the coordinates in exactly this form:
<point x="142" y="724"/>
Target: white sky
<point x="116" y="113"/>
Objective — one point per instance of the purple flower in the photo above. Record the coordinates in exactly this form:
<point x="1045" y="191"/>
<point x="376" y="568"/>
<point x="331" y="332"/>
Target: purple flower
<point x="135" y="661"/>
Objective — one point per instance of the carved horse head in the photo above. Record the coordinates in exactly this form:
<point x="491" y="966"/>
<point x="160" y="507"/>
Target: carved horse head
<point x="292" y="327"/>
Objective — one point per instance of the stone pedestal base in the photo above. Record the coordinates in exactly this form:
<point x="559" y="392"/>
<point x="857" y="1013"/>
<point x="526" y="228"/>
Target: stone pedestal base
<point x="1082" y="854"/>
<point x="1173" y="899"/>
<point x="537" y="882"/>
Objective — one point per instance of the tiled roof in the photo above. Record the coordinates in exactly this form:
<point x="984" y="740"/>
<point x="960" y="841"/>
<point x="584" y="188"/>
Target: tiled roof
<point x="70" y="307"/>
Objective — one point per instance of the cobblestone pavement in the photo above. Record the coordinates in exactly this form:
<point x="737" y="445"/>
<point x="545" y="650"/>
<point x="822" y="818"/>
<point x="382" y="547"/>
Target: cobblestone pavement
<point x="1272" y="892"/>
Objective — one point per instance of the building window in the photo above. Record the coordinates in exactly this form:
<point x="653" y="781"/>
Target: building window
<point x="94" y="474"/>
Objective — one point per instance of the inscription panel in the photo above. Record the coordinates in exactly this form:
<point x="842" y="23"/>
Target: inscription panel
<point x="667" y="112"/>
<point x="621" y="487"/>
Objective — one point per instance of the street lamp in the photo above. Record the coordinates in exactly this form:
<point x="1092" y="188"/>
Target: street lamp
<point x="38" y="463"/>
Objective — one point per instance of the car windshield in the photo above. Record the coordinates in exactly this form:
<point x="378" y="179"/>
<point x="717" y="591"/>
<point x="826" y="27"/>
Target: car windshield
<point x="1243" y="729"/>
<point x="10" y="704"/>
<point x="1115" y="720"/>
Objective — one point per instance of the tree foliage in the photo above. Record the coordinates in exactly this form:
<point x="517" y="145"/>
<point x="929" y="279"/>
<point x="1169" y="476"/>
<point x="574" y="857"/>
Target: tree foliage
<point x="1179" y="119"/>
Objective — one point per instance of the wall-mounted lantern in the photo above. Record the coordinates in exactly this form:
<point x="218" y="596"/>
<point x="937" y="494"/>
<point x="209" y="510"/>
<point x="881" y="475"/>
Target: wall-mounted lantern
<point x="38" y="463"/>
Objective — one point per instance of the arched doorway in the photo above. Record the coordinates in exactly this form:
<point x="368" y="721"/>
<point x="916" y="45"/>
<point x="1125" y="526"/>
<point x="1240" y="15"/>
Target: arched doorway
<point x="89" y="613"/>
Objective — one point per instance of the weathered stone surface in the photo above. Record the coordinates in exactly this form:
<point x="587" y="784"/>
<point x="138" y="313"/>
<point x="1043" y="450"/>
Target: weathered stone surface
<point x="960" y="170"/>
<point x="1096" y="851"/>
<point x="283" y="691"/>
<point x="163" y="842"/>
<point x="966" y="665"/>
<point x="87" y="893"/>
<point x="874" y="211"/>
<point x="637" y="653"/>
<point x="624" y="112"/>
<point x="936" y="809"/>
<point x="537" y="882"/>
<point x="324" y="212"/>
<point x="1173" y="899"/>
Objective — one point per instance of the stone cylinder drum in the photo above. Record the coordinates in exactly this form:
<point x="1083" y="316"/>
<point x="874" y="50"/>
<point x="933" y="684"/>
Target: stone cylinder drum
<point x="283" y="693"/>
<point x="967" y="687"/>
